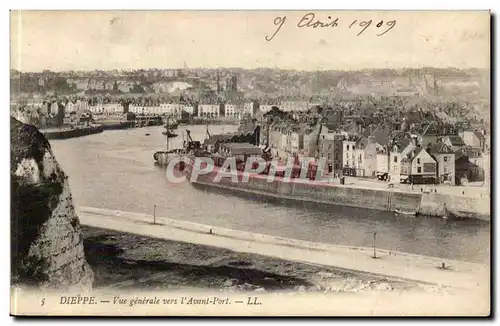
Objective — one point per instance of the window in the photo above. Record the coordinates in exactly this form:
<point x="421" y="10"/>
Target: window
<point x="395" y="159"/>
<point x="446" y="158"/>
<point x="347" y="147"/>
<point x="418" y="160"/>
<point x="419" y="170"/>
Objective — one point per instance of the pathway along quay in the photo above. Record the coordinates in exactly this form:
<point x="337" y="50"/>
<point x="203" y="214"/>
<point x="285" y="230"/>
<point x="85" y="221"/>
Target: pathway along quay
<point x="117" y="167"/>
<point x="398" y="265"/>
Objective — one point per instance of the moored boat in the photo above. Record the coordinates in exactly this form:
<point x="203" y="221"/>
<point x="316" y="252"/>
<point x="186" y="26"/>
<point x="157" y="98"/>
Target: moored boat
<point x="169" y="134"/>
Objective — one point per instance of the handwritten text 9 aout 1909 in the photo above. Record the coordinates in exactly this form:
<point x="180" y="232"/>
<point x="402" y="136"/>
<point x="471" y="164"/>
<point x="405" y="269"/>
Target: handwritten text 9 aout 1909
<point x="309" y="20"/>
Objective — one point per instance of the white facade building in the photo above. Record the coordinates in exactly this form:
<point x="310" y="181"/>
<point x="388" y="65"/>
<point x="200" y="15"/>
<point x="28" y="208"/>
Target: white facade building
<point x="189" y="109"/>
<point x="231" y="111"/>
<point x="264" y="108"/>
<point x="248" y="108"/>
<point x="208" y="110"/>
<point x="144" y="109"/>
<point x="112" y="108"/>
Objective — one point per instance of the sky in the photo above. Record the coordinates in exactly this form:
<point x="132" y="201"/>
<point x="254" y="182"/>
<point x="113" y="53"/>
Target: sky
<point x="88" y="40"/>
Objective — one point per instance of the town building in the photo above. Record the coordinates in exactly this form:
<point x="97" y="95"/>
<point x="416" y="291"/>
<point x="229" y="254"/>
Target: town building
<point x="349" y="156"/>
<point x="383" y="163"/>
<point x="311" y="139"/>
<point x="296" y="142"/>
<point x="96" y="109"/>
<point x="467" y="171"/>
<point x="240" y="151"/>
<point x="397" y="153"/>
<point x="209" y="110"/>
<point x="434" y="132"/>
<point x="112" y="108"/>
<point x="248" y="108"/>
<point x="145" y="109"/>
<point x="171" y="109"/>
<point x="366" y="156"/>
<point x="189" y="109"/>
<point x="54" y="108"/>
<point x="419" y="167"/>
<point x="473" y="138"/>
<point x="454" y="142"/>
<point x="231" y="111"/>
<point x="264" y="108"/>
<point x="330" y="148"/>
<point x="289" y="106"/>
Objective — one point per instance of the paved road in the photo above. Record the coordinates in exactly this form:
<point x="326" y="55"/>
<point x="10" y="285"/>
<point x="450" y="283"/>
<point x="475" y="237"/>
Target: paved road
<point x="392" y="264"/>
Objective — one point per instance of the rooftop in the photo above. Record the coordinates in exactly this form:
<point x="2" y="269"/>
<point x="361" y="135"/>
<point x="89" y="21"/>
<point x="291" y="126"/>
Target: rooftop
<point x="456" y="140"/>
<point x="439" y="148"/>
<point x="242" y="148"/>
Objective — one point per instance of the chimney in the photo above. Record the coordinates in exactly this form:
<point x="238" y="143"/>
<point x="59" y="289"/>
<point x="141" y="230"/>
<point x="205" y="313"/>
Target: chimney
<point x="414" y="141"/>
<point x="371" y="140"/>
<point x="371" y="129"/>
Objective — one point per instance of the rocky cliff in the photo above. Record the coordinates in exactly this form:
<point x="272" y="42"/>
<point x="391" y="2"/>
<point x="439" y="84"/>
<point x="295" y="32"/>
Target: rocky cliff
<point x="46" y="241"/>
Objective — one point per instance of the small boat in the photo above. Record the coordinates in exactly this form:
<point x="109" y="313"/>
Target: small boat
<point x="169" y="134"/>
<point x="171" y="126"/>
<point x="147" y="134"/>
<point x="163" y="157"/>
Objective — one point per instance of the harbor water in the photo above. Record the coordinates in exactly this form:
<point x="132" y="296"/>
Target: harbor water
<point x="115" y="170"/>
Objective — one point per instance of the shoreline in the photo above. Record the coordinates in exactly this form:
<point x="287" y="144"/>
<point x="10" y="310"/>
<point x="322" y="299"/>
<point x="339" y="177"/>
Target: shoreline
<point x="397" y="265"/>
<point x="383" y="199"/>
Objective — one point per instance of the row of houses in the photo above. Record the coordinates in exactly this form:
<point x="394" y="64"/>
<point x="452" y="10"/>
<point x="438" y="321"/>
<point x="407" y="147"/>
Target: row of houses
<point x="202" y="110"/>
<point x="374" y="154"/>
<point x="229" y="110"/>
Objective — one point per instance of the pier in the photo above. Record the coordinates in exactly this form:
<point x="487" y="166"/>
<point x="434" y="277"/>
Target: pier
<point x="69" y="132"/>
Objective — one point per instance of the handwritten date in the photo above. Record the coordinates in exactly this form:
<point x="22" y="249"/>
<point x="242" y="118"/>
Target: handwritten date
<point x="309" y="20"/>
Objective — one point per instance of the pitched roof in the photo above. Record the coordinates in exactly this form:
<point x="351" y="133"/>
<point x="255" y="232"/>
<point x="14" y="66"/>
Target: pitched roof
<point x="479" y="135"/>
<point x="439" y="148"/>
<point x="413" y="154"/>
<point x="456" y="140"/>
<point x="402" y="144"/>
<point x="381" y="134"/>
<point x="416" y="152"/>
<point x="468" y="152"/>
<point x="226" y="137"/>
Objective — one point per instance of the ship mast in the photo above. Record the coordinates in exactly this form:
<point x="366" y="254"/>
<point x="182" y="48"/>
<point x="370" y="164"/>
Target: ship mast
<point x="166" y="142"/>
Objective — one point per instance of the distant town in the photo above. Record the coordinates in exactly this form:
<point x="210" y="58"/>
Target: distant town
<point x="417" y="126"/>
